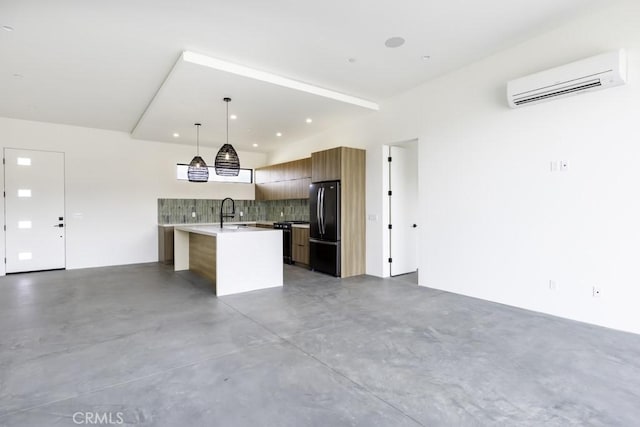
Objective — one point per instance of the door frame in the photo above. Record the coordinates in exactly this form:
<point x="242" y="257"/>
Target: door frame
<point x="386" y="203"/>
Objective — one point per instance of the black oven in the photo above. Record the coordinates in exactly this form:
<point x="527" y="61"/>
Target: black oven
<point x="286" y="240"/>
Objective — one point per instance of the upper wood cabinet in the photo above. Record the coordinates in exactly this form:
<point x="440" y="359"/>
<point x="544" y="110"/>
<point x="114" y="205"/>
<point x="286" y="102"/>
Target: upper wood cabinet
<point x="326" y="165"/>
<point x="284" y="181"/>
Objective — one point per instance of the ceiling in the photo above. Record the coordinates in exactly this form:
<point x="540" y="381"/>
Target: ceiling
<point x="118" y="64"/>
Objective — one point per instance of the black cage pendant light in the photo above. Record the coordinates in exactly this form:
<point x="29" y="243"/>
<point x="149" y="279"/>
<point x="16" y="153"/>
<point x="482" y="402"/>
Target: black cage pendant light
<point x="198" y="170"/>
<point x="227" y="161"/>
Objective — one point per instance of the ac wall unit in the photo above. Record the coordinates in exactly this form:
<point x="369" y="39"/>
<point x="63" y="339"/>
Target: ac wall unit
<point x="594" y="73"/>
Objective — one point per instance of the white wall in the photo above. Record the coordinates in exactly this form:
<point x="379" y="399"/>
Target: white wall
<point x="112" y="186"/>
<point x="500" y="224"/>
<point x="497" y="224"/>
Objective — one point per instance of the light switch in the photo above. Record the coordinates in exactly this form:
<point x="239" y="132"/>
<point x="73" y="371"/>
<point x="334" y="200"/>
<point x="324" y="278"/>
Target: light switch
<point x="564" y="165"/>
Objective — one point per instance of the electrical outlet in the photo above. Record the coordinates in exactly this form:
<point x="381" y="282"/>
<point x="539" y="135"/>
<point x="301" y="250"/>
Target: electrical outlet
<point x="241" y="213"/>
<point x="564" y="165"/>
<point x="281" y="213"/>
<point x="193" y="214"/>
<point x="595" y="291"/>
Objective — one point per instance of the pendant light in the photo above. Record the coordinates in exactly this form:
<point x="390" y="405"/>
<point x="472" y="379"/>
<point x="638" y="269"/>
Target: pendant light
<point x="198" y="170"/>
<point x="227" y="161"/>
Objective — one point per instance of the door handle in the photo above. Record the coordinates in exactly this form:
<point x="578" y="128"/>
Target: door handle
<point x="415" y="225"/>
<point x="318" y="210"/>
<point x="324" y="230"/>
<point x="58" y="226"/>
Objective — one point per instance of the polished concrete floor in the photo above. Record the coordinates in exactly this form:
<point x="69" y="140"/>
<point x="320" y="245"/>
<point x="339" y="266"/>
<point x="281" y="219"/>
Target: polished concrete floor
<point x="147" y="346"/>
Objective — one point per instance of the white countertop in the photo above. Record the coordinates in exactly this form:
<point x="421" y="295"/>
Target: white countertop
<point x="270" y="223"/>
<point x="215" y="230"/>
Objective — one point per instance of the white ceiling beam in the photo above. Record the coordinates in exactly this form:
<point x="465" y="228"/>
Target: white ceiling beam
<point x="241" y="70"/>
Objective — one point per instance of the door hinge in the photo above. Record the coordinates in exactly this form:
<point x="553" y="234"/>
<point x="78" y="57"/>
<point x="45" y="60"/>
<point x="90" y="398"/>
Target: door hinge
<point x="388" y="159"/>
<point x="5" y="227"/>
<point x="389" y="193"/>
<point x="390" y="226"/>
<point x="4" y="161"/>
<point x="390" y="259"/>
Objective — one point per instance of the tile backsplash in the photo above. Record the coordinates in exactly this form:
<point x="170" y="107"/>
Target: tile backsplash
<point x="180" y="211"/>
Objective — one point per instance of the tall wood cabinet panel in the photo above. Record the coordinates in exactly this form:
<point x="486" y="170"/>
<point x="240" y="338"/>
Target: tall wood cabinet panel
<point x="284" y="181"/>
<point x="346" y="165"/>
<point x="353" y="216"/>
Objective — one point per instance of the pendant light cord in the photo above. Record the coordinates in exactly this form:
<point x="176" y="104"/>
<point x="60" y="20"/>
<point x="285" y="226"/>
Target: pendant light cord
<point x="228" y="121"/>
<point x="198" y="139"/>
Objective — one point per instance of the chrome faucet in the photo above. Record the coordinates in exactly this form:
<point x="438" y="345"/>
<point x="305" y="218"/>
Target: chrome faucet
<point x="223" y="215"/>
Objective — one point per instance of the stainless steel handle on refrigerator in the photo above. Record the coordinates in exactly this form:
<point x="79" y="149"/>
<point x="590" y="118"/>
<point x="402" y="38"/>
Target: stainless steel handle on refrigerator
<point x="318" y="210"/>
<point x="324" y="230"/>
<point x="324" y="242"/>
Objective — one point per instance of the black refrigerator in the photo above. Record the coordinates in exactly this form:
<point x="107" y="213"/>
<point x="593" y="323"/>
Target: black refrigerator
<point x="324" y="227"/>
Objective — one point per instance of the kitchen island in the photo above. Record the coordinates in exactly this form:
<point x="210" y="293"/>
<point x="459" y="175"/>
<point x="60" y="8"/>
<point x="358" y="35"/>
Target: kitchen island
<point x="236" y="259"/>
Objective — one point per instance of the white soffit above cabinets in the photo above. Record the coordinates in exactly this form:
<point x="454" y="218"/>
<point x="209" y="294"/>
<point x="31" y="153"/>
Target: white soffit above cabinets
<point x="264" y="105"/>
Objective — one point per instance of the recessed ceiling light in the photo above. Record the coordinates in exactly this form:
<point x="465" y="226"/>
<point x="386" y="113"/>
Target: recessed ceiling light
<point x="233" y="117"/>
<point x="352" y="60"/>
<point x="7" y="28"/>
<point x="255" y="145"/>
<point x="18" y="75"/>
<point x="426" y="57"/>
<point x="176" y="135"/>
<point x="279" y="134"/>
<point x="308" y="120"/>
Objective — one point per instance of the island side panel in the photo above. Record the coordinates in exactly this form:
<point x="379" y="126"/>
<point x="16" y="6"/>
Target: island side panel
<point x="249" y="261"/>
<point x="202" y="256"/>
<point x="180" y="250"/>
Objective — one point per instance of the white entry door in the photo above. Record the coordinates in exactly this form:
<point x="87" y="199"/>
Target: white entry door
<point x="403" y="206"/>
<point x="34" y="210"/>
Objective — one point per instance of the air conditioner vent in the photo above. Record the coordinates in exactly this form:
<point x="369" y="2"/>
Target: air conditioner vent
<point x="598" y="72"/>
<point x="562" y="91"/>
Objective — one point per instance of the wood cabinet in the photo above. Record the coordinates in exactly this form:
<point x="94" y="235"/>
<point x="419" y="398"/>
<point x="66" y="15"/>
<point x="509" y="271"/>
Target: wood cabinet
<point x="326" y="165"/>
<point x="165" y="244"/>
<point x="346" y="165"/>
<point x="284" y="181"/>
<point x="258" y="225"/>
<point x="300" y="245"/>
